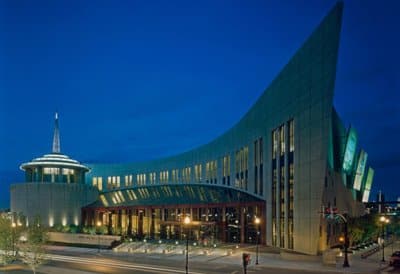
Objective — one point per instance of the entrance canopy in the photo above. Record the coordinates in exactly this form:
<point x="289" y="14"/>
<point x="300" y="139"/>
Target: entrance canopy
<point x="173" y="195"/>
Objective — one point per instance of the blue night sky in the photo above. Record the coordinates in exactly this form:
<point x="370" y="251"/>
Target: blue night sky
<point x="135" y="81"/>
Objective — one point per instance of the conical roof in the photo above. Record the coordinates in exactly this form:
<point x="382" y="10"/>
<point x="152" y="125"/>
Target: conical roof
<point x="56" y="158"/>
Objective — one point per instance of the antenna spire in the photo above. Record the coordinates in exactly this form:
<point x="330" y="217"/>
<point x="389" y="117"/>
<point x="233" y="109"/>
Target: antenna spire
<point x="56" y="137"/>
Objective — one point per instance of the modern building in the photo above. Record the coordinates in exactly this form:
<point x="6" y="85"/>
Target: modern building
<point x="54" y="188"/>
<point x="285" y="161"/>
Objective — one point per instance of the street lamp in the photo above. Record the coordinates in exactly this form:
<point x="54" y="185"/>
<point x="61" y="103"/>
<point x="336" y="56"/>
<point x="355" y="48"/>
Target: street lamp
<point x="384" y="221"/>
<point x="237" y="233"/>
<point x="187" y="222"/>
<point x="346" y="240"/>
<point x="13" y="226"/>
<point x="257" y="222"/>
<point x="98" y="236"/>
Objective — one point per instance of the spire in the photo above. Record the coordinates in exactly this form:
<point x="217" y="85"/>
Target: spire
<point x="56" y="137"/>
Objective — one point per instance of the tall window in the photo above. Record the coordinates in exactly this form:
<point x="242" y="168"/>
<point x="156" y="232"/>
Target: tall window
<point x="98" y="182"/>
<point x="141" y="179"/>
<point x="226" y="170"/>
<point x="291" y="136"/>
<point x="152" y="178"/>
<point x="113" y="182"/>
<point x="51" y="174"/>
<point x="291" y="205"/>
<point x="258" y="166"/>
<point x="175" y="175"/>
<point x="241" y="167"/>
<point x="211" y="172"/>
<point x="282" y="205"/>
<point x="186" y="174"/>
<point x="291" y="183"/>
<point x="273" y="206"/>
<point x="128" y="180"/>
<point x="164" y="177"/>
<point x="282" y="140"/>
<point x="275" y="135"/>
<point x="197" y="173"/>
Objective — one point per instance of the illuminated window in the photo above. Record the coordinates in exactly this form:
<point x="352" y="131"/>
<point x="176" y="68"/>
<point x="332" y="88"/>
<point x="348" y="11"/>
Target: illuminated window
<point x="186" y="174"/>
<point x="51" y="174"/>
<point x="51" y="170"/>
<point x="275" y="144"/>
<point x="258" y="166"/>
<point x="282" y="139"/>
<point x="97" y="182"/>
<point x="141" y="179"/>
<point x="113" y="182"/>
<point x="68" y="175"/>
<point x="152" y="178"/>
<point x="175" y="176"/>
<point x="164" y="177"/>
<point x="197" y="173"/>
<point x="128" y="180"/>
<point x="226" y="170"/>
<point x="211" y="172"/>
<point x="291" y="136"/>
<point x="241" y="167"/>
<point x="68" y="171"/>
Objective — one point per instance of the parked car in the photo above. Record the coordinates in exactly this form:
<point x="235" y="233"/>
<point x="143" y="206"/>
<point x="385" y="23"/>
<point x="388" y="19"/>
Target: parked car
<point x="395" y="259"/>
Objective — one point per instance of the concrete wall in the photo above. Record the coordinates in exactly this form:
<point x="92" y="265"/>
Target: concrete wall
<point x="103" y="240"/>
<point x="55" y="203"/>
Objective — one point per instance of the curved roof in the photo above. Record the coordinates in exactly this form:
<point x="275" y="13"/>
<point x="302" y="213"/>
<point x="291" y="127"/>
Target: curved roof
<point x="173" y="194"/>
<point x="54" y="160"/>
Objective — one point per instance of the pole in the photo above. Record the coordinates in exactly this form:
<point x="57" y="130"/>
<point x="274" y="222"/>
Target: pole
<point x="13" y="241"/>
<point x="187" y="222"/>
<point x="383" y="244"/>
<point x="98" y="224"/>
<point x="187" y="254"/>
<point x="13" y="226"/>
<point x="346" y="245"/>
<point x="98" y="242"/>
<point x="258" y="237"/>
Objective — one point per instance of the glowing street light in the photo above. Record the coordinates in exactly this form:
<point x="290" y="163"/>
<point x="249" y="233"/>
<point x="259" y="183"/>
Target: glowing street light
<point x="13" y="226"/>
<point x="98" y="224"/>
<point x="187" y="222"/>
<point x="384" y="221"/>
<point x="257" y="222"/>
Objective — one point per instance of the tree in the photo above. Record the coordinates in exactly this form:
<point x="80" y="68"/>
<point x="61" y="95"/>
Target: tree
<point x="32" y="251"/>
<point x="7" y="237"/>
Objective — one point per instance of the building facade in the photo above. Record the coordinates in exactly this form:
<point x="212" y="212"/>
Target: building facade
<point x="285" y="161"/>
<point x="54" y="189"/>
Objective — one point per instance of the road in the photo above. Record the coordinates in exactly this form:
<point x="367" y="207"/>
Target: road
<point x="61" y="264"/>
<point x="70" y="260"/>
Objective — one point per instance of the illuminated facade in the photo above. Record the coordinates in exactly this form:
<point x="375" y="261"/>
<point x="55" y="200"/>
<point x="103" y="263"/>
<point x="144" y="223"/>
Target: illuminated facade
<point x="286" y="159"/>
<point x="54" y="188"/>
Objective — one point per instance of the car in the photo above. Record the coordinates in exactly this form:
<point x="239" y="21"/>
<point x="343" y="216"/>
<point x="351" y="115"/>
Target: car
<point x="395" y="259"/>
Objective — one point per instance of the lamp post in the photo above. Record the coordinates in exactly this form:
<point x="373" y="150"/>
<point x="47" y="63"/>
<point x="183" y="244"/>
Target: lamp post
<point x="98" y="224"/>
<point x="383" y="221"/>
<point x="237" y="232"/>
<point x="257" y="222"/>
<point x="346" y="242"/>
<point x="13" y="226"/>
<point x="187" y="222"/>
